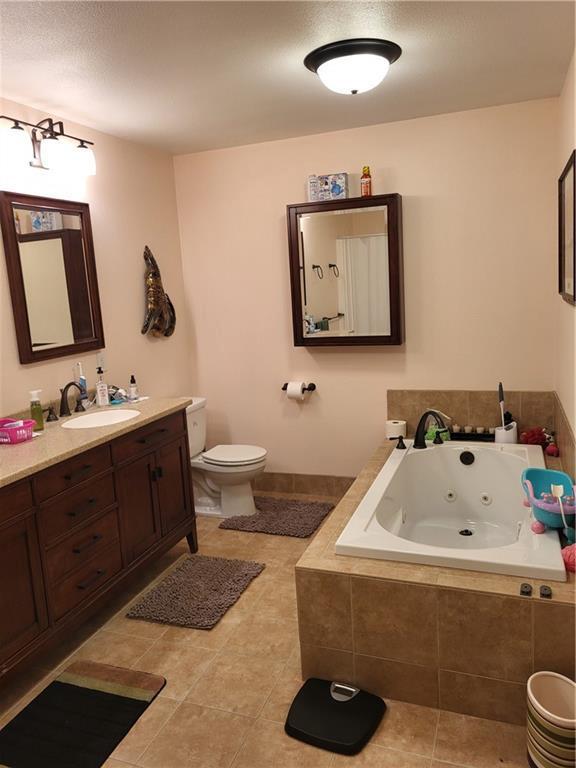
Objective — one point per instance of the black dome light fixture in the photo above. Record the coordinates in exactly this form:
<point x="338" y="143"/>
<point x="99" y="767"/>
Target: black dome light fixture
<point x="353" y="66"/>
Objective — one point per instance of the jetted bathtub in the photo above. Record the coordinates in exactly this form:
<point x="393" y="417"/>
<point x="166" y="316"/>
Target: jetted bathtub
<point x="458" y="505"/>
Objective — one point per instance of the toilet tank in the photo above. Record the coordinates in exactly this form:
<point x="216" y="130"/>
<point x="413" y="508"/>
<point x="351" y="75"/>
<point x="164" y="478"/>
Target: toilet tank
<point x="196" y="418"/>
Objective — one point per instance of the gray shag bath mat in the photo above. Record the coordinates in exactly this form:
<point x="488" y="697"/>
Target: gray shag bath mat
<point x="197" y="593"/>
<point x="281" y="517"/>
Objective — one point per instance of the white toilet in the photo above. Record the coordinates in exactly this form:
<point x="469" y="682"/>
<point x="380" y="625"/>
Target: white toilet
<point x="222" y="475"/>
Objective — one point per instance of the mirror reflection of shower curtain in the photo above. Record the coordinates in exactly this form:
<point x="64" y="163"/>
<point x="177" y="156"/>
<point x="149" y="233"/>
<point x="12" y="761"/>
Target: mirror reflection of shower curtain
<point x="364" y="287"/>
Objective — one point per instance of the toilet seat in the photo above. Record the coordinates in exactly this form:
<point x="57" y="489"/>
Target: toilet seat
<point x="234" y="455"/>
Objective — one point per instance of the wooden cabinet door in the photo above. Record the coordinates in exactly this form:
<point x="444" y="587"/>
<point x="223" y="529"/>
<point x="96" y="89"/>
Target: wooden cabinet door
<point x="173" y="471"/>
<point x="139" y="514"/>
<point x="22" y="605"/>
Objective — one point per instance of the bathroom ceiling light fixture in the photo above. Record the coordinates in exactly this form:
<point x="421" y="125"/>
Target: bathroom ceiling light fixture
<point x="353" y="66"/>
<point x="46" y="145"/>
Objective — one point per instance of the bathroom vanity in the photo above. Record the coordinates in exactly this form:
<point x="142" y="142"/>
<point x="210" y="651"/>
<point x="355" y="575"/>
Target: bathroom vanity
<point x="74" y="531"/>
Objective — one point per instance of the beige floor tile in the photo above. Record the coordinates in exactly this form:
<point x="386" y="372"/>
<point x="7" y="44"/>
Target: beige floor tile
<point x="142" y="733"/>
<point x="278" y="600"/>
<point x="135" y="627"/>
<point x="236" y="683"/>
<point x="181" y="664"/>
<point x="373" y="756"/>
<point x="267" y="746"/>
<point x="441" y="764"/>
<point x="197" y="737"/>
<point x="282" y="695"/>
<point x="112" y="763"/>
<point x="408" y="727"/>
<point x="212" y="639"/>
<point x="114" y="648"/>
<point x="477" y="743"/>
<point x="265" y="637"/>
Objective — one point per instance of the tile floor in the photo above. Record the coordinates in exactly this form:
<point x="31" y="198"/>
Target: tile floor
<point x="228" y="690"/>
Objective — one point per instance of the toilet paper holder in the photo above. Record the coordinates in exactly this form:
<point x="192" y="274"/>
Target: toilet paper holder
<point x="310" y="388"/>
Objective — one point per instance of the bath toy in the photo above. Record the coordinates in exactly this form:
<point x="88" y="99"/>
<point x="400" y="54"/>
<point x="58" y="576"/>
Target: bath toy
<point x="550" y="494"/>
<point x="569" y="557"/>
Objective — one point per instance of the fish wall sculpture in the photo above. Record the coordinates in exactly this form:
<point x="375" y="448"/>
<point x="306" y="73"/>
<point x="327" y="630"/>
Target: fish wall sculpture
<point x="160" y="317"/>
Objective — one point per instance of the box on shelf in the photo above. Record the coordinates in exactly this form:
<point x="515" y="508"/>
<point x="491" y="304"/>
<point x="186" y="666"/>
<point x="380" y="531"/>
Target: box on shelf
<point x="330" y="186"/>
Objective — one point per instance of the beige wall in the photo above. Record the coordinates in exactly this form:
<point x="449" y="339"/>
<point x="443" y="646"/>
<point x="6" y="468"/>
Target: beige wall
<point x="479" y="197"/>
<point x="132" y="203"/>
<point x="566" y="314"/>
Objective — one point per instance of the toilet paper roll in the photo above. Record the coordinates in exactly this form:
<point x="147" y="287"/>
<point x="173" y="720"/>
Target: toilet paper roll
<point x="395" y="428"/>
<point x="295" y="390"/>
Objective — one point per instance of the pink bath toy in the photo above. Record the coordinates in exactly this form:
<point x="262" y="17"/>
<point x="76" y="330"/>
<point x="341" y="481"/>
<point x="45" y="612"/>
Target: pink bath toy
<point x="569" y="557"/>
<point x="537" y="527"/>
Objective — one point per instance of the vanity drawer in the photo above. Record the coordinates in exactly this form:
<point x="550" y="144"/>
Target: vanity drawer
<point x="149" y="436"/>
<point x="81" y="545"/>
<point x="75" y="507"/>
<point x="80" y="584"/>
<point x="71" y="472"/>
<point x="15" y="499"/>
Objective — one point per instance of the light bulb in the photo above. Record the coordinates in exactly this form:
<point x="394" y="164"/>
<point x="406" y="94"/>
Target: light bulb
<point x="83" y="160"/>
<point x="353" y="74"/>
<point x="54" y="153"/>
<point x="15" y="146"/>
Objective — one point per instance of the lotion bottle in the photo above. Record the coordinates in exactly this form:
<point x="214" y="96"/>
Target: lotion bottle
<point x="133" y="389"/>
<point x="102" y="396"/>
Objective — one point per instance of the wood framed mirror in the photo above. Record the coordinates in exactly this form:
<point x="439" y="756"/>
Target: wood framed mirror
<point x="52" y="276"/>
<point x="346" y="271"/>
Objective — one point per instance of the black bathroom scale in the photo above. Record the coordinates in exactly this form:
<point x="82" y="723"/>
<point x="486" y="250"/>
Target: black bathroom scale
<point x="334" y="716"/>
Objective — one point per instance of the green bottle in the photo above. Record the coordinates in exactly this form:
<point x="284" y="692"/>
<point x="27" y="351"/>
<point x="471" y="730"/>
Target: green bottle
<point x="36" y="410"/>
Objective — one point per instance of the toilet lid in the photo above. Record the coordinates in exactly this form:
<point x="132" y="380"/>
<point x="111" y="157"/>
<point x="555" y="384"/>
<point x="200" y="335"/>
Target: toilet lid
<point x="234" y="455"/>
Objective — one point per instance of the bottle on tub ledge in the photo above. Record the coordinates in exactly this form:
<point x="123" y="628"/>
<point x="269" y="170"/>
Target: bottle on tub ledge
<point x="366" y="182"/>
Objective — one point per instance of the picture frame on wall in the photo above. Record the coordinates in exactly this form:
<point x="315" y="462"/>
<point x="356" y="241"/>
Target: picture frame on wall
<point x="567" y="231"/>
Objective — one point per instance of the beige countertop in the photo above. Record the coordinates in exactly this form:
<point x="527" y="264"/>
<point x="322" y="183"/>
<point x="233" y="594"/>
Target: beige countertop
<point x="320" y="555"/>
<point x="56" y="444"/>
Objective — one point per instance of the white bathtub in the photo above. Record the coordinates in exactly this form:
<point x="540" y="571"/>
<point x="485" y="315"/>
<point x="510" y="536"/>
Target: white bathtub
<point x="426" y="506"/>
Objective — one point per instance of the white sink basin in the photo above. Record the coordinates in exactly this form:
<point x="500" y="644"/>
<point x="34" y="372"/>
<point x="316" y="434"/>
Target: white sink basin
<point x="100" y="419"/>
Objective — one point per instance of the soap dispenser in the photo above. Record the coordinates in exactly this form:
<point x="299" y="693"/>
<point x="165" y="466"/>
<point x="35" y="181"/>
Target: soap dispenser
<point x="102" y="396"/>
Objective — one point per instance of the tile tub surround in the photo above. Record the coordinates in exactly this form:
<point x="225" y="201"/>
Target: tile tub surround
<point x="432" y="636"/>
<point x="56" y="444"/>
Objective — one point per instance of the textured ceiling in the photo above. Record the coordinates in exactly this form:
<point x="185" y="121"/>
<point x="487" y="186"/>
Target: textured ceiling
<point x="188" y="76"/>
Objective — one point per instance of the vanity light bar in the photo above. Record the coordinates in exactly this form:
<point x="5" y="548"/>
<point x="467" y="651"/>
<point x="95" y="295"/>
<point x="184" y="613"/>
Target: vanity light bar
<point x="50" y="131"/>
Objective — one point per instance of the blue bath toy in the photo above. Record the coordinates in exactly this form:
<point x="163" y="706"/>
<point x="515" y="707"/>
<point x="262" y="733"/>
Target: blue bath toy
<point x="537" y="484"/>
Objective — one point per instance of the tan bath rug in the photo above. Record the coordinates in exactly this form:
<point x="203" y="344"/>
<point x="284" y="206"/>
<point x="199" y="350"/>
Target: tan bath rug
<point x="281" y="517"/>
<point x="197" y="593"/>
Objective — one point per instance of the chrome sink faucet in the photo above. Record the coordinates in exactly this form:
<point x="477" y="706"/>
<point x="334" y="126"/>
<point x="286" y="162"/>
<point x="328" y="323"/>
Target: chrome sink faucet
<point x="64" y="407"/>
<point x="420" y="436"/>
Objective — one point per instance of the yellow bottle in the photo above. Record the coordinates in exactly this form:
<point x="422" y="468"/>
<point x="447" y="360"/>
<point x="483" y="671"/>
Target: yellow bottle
<point x="36" y="410"/>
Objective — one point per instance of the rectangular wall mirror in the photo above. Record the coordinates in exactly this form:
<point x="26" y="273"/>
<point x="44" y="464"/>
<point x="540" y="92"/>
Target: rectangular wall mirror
<point x="346" y="271"/>
<point x="52" y="275"/>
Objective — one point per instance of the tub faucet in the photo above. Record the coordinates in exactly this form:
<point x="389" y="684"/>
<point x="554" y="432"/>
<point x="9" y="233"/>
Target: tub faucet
<point x="420" y="436"/>
<point x="64" y="407"/>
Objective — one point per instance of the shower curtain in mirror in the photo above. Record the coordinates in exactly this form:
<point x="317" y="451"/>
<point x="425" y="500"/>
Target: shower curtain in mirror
<point x="364" y="290"/>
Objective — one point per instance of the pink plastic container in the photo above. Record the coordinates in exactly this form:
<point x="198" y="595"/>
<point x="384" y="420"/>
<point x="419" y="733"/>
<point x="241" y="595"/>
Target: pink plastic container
<point x="11" y="435"/>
